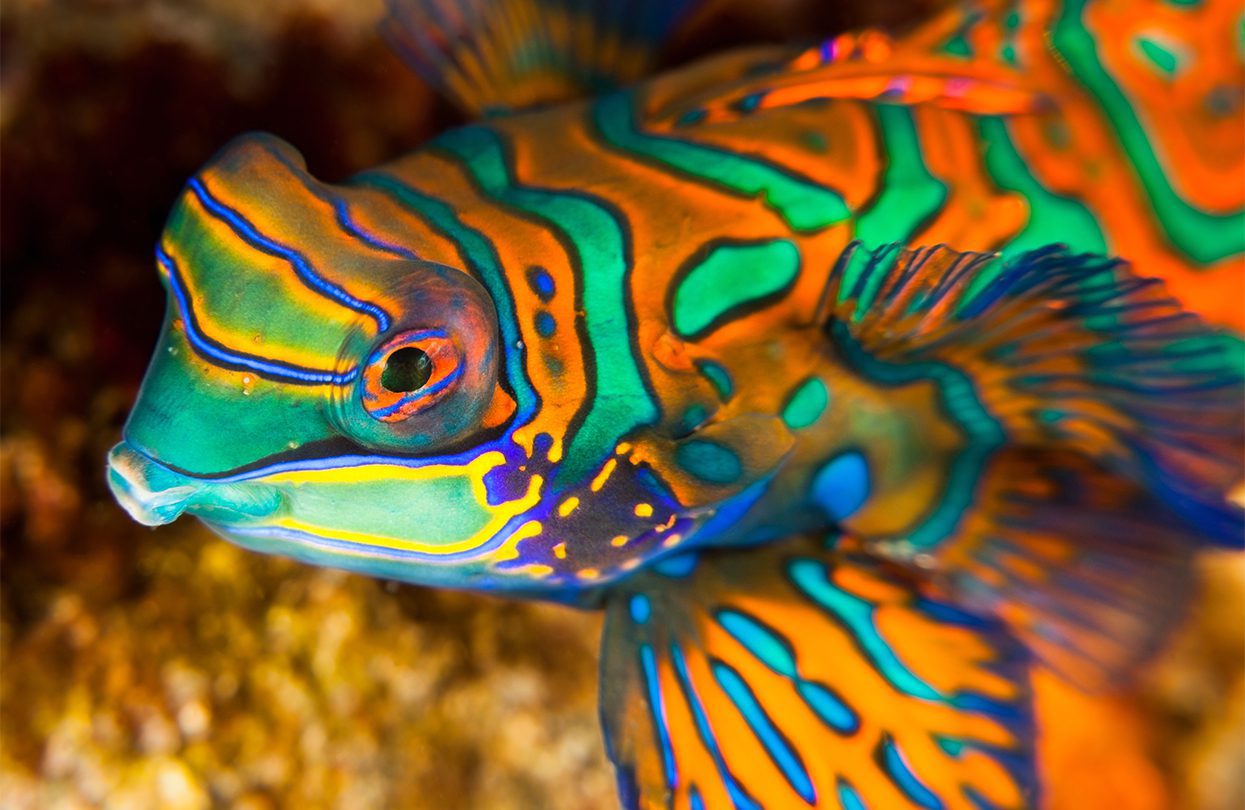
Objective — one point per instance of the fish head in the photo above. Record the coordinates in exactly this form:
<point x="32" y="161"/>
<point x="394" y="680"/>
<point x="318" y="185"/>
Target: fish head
<point x="324" y="388"/>
<point x="315" y="391"/>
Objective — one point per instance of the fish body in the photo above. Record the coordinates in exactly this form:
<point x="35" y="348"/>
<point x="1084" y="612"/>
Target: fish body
<point x="666" y="350"/>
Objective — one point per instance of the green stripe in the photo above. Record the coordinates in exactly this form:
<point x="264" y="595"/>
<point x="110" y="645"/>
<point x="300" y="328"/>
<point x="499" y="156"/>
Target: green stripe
<point x="1203" y="237"/>
<point x="910" y="194"/>
<point x="802" y="203"/>
<point x="1053" y="218"/>
<point x="622" y="403"/>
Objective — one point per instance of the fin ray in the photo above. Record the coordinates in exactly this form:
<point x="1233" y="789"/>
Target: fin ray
<point x="792" y="675"/>
<point x="1061" y="351"/>
<point x="494" y="55"/>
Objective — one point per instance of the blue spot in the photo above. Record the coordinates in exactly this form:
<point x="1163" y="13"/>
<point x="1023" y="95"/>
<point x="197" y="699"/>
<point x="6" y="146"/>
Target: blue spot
<point x="676" y="566"/>
<point x="541" y="282"/>
<point x="849" y="798"/>
<point x="545" y="324"/>
<point x="718" y="376"/>
<point x="693" y="797"/>
<point x="709" y="461"/>
<point x="905" y="778"/>
<point x="690" y="118"/>
<point x="836" y="714"/>
<point x="641" y="608"/>
<point x="842" y="486"/>
<point x="648" y="662"/>
<point x="733" y="509"/>
<point x="693" y="418"/>
<point x="750" y="102"/>
<point x="541" y="445"/>
<point x="762" y="642"/>
<point x="778" y="749"/>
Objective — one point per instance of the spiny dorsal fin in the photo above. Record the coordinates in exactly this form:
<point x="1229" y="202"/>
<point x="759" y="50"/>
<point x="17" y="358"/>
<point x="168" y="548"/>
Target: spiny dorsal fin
<point x="1060" y="351"/>
<point x="495" y="55"/>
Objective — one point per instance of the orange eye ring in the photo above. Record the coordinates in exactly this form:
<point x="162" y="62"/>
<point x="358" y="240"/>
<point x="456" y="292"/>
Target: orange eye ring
<point x="409" y="373"/>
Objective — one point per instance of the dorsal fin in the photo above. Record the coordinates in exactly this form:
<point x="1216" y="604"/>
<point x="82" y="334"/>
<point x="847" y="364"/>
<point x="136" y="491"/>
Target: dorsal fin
<point x="492" y="56"/>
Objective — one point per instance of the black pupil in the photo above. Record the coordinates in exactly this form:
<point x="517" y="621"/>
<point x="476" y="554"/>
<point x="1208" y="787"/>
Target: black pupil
<point x="407" y="369"/>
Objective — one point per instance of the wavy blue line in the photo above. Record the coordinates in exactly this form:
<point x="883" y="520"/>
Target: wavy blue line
<point x="301" y="266"/>
<point x="216" y="352"/>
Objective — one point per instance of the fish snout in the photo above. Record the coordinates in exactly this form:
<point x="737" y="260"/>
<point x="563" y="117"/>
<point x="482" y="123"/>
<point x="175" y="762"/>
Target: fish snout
<point x="154" y="495"/>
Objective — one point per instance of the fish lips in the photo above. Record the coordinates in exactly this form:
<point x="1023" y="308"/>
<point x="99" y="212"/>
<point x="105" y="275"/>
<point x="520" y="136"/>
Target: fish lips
<point x="154" y="494"/>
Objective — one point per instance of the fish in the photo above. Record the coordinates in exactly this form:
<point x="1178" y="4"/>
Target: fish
<point x="854" y="382"/>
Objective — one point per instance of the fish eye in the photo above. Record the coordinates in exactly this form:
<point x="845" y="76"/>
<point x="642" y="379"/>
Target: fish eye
<point x="406" y="369"/>
<point x="409" y="373"/>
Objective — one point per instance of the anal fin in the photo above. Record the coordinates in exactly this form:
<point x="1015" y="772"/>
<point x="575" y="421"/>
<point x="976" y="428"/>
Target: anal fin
<point x="796" y="676"/>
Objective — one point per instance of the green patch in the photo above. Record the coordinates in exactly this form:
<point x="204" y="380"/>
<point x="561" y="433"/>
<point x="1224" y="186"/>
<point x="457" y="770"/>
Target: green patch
<point x="731" y="279"/>
<point x="709" y="461"/>
<point x="806" y="404"/>
<point x="1159" y="55"/>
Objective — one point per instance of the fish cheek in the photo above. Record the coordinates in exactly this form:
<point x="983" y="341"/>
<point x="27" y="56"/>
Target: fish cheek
<point x="203" y="419"/>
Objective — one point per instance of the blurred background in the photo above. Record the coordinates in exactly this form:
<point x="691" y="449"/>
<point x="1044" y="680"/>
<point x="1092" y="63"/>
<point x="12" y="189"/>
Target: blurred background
<point x="145" y="669"/>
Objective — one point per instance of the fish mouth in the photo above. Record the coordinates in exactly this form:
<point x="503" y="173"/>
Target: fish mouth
<point x="154" y="494"/>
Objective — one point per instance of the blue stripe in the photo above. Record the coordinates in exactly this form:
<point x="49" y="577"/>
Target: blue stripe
<point x="223" y="356"/>
<point x="739" y="798"/>
<point x="856" y="615"/>
<point x="761" y="641"/>
<point x="422" y="393"/>
<point x="779" y="751"/>
<point x="848" y="797"/>
<point x="342" y="211"/>
<point x="829" y="707"/>
<point x="302" y="267"/>
<point x="648" y="661"/>
<point x="332" y="544"/>
<point x="905" y="778"/>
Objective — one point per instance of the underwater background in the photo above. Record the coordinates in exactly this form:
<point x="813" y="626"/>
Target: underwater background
<point x="143" y="669"/>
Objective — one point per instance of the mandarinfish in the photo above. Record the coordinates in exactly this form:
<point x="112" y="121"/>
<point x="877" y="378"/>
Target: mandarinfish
<point x="815" y="368"/>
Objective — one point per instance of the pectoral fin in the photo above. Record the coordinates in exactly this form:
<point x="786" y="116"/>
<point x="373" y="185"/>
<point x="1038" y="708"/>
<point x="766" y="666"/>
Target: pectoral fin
<point x="1056" y="351"/>
<point x="793" y="676"/>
